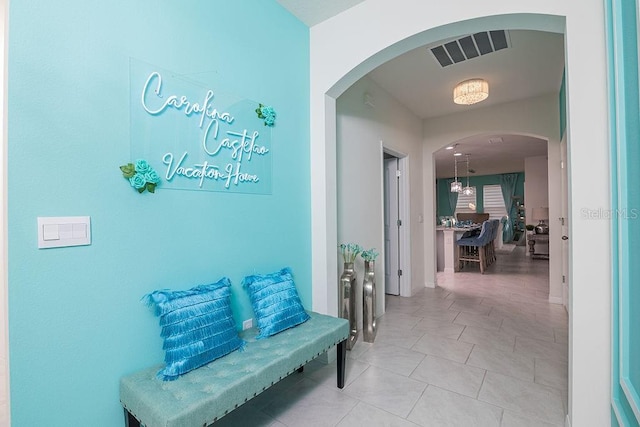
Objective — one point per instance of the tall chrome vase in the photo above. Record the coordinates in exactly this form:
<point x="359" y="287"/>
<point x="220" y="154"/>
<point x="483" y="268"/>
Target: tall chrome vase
<point x="369" y="302"/>
<point x="348" y="302"/>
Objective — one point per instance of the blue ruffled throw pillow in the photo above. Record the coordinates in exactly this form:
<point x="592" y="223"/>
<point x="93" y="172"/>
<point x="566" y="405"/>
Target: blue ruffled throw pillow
<point x="197" y="326"/>
<point x="275" y="302"/>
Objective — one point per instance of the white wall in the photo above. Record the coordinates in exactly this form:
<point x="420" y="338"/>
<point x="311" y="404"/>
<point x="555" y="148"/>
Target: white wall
<point x="542" y="188"/>
<point x="536" y="193"/>
<point x="346" y="47"/>
<point x="555" y="226"/>
<point x="536" y="185"/>
<point x="362" y="130"/>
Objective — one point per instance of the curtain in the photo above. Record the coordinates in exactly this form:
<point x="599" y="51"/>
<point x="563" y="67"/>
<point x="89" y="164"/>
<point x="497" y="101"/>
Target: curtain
<point x="453" y="197"/>
<point x="508" y="187"/>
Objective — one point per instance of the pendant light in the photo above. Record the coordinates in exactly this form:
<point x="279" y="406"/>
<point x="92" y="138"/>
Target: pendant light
<point x="456" y="186"/>
<point x="468" y="190"/>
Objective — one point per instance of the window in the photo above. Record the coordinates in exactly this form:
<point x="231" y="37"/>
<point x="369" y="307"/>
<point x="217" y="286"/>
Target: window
<point x="464" y="202"/>
<point x="493" y="201"/>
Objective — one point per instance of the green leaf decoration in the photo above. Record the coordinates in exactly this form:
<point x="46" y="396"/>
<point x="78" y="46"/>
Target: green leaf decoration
<point x="151" y="187"/>
<point x="140" y="190"/>
<point x="128" y="170"/>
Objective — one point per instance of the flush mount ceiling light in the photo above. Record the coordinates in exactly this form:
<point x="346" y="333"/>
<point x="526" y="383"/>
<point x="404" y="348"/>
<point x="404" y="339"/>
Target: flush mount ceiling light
<point x="471" y="92"/>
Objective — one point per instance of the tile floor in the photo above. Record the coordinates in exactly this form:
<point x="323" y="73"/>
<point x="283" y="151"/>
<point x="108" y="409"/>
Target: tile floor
<point x="479" y="350"/>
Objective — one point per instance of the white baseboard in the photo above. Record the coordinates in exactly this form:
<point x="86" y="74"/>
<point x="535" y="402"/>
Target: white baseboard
<point x="555" y="300"/>
<point x="431" y="285"/>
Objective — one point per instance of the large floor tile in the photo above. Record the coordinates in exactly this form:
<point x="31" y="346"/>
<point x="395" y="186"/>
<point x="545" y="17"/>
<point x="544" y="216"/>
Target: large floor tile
<point x="386" y="390"/>
<point x="401" y="337"/>
<point x="437" y="327"/>
<point x="398" y="320"/>
<point x="523" y="397"/>
<point x="393" y="358"/>
<point x="364" y="415"/>
<point x="326" y="374"/>
<point x="437" y="313"/>
<point x="308" y="404"/>
<point x="486" y="338"/>
<point x="359" y="348"/>
<point x="449" y="335"/>
<point x="503" y="362"/>
<point x="449" y="375"/>
<point x="443" y="347"/>
<point x="442" y="408"/>
<point x="434" y="303"/>
<point x="542" y="349"/>
<point x="561" y="335"/>
<point x="510" y="419"/>
<point x="478" y="320"/>
<point x="529" y="329"/>
<point x="552" y="373"/>
<point x="471" y="306"/>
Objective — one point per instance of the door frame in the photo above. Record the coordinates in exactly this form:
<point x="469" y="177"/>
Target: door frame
<point x="622" y="25"/>
<point x="564" y="220"/>
<point x="404" y="193"/>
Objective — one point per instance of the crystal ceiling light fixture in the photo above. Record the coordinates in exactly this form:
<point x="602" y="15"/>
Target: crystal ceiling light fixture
<point x="468" y="190"/>
<point x="471" y="92"/>
<point x="456" y="186"/>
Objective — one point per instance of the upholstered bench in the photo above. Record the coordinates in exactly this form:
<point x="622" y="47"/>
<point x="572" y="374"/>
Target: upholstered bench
<point x="201" y="397"/>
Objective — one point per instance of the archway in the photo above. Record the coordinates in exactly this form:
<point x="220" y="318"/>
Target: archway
<point x="340" y="56"/>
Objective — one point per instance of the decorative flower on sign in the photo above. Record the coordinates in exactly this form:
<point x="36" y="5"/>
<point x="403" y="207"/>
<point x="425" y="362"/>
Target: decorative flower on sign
<point x="369" y="255"/>
<point x="350" y="251"/>
<point x="141" y="176"/>
<point x="268" y="114"/>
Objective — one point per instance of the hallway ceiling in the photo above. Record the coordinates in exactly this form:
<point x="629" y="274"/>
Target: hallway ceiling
<point x="531" y="66"/>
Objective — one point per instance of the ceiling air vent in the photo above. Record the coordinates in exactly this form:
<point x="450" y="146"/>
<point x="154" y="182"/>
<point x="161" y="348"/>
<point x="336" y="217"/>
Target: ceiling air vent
<point x="470" y="46"/>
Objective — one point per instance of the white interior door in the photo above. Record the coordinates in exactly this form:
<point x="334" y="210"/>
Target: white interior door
<point x="391" y="227"/>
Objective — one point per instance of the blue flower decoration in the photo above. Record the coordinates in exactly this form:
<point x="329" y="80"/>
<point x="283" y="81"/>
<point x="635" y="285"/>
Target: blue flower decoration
<point x="369" y="255"/>
<point x="268" y="114"/>
<point x="141" y="176"/>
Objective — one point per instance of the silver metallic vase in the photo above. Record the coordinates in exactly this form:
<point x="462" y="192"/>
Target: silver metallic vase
<point x="369" y="302"/>
<point x="348" y="302"/>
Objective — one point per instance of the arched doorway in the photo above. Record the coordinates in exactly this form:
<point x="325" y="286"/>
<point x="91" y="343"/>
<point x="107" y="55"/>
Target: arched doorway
<point x="340" y="56"/>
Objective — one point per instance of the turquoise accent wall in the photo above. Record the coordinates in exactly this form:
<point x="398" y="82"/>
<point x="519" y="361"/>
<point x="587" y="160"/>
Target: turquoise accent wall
<point x="75" y="318"/>
<point x="442" y="191"/>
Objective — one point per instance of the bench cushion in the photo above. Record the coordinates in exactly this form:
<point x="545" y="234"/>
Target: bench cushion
<point x="202" y="396"/>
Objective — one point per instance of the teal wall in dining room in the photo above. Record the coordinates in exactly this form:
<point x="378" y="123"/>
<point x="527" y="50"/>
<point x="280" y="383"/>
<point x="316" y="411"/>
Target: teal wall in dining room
<point x="76" y="323"/>
<point x="442" y="191"/>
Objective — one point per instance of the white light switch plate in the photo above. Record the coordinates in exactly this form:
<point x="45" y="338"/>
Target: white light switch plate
<point x="61" y="231"/>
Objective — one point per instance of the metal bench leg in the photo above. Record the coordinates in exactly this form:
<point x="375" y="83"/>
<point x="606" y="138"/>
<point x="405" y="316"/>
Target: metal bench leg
<point x="130" y="420"/>
<point x="342" y="360"/>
